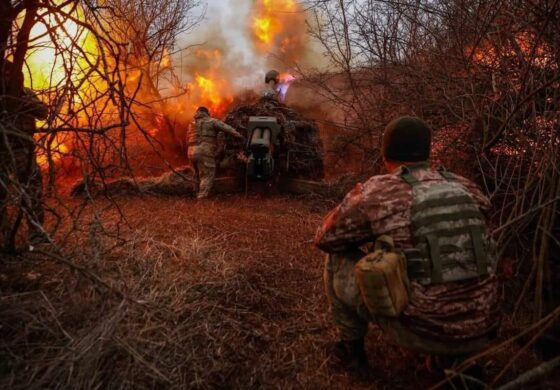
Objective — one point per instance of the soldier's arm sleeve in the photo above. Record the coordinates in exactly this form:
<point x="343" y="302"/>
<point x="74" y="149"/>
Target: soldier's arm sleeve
<point x="226" y="128"/>
<point x="34" y="106"/>
<point x="346" y="227"/>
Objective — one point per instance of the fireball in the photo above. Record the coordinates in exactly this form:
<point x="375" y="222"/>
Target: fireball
<point x="278" y="26"/>
<point x="210" y="89"/>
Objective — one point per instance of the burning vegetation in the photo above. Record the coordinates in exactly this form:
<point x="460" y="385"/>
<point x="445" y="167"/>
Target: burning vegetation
<point x="280" y="25"/>
<point x="96" y="99"/>
<point x="77" y="67"/>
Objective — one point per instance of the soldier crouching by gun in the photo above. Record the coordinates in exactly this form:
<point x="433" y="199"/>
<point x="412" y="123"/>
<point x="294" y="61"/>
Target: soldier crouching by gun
<point x="202" y="139"/>
<point x="19" y="108"/>
<point x="434" y="256"/>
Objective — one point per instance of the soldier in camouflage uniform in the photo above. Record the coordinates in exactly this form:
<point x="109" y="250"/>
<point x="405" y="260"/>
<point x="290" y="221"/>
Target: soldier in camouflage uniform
<point x="19" y="109"/>
<point x="270" y="93"/>
<point x="442" y="318"/>
<point x="202" y="139"/>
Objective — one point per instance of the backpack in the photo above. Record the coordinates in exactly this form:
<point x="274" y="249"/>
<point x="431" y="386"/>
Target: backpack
<point x="448" y="232"/>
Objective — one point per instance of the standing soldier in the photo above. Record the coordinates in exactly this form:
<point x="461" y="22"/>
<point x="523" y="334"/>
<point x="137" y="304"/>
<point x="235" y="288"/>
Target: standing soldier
<point x="270" y="93"/>
<point x="201" y="140"/>
<point x="19" y="109"/>
<point x="436" y="220"/>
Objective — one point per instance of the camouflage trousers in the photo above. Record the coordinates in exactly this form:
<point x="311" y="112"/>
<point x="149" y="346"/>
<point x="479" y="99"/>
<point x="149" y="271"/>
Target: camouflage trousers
<point x="349" y="313"/>
<point x="205" y="173"/>
<point x="351" y="316"/>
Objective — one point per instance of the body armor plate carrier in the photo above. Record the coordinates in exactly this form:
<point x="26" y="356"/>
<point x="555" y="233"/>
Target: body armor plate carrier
<point x="448" y="232"/>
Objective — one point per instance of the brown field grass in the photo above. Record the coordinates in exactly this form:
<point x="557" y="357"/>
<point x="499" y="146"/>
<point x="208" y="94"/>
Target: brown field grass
<point x="225" y="293"/>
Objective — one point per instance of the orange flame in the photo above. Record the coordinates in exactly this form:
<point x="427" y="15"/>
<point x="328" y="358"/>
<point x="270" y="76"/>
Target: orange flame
<point x="523" y="45"/>
<point x="278" y="25"/>
<point x="44" y="71"/>
<point x="209" y="88"/>
<point x="57" y="150"/>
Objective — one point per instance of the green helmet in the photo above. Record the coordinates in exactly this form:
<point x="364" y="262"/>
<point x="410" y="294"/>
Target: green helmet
<point x="203" y="109"/>
<point x="272" y="75"/>
<point x="407" y="139"/>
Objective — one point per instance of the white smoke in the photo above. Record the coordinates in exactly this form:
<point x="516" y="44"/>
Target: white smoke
<point x="225" y="26"/>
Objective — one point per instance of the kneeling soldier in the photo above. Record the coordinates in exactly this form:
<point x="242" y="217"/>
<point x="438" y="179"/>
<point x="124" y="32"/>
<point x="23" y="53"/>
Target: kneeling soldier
<point x="436" y="220"/>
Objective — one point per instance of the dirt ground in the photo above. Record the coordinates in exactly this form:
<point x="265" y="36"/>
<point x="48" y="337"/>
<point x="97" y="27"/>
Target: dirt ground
<point x="225" y="293"/>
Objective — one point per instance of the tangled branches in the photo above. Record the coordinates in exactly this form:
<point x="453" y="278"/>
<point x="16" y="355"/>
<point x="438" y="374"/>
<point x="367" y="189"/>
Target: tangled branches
<point x="486" y="75"/>
<point x="90" y="72"/>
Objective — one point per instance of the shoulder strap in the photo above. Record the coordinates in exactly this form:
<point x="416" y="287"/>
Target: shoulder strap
<point x="445" y="173"/>
<point x="479" y="251"/>
<point x="436" y="266"/>
<point x="407" y="176"/>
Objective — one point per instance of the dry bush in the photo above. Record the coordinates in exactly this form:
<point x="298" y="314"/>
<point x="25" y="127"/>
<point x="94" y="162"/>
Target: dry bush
<point x="102" y="94"/>
<point x="486" y="76"/>
<point x="216" y="305"/>
<point x="189" y="300"/>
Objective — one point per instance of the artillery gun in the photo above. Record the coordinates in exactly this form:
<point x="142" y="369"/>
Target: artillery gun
<point x="282" y="147"/>
<point x="282" y="152"/>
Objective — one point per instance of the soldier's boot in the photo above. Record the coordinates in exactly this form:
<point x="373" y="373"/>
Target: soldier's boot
<point x="351" y="355"/>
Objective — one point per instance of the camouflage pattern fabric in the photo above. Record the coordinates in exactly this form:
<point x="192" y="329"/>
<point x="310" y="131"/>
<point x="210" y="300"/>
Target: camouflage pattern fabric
<point x="351" y="316"/>
<point x="270" y="92"/>
<point x="448" y="232"/>
<point x="202" y="139"/>
<point x="205" y="173"/>
<point x="349" y="313"/>
<point x="18" y="122"/>
<point x="455" y="311"/>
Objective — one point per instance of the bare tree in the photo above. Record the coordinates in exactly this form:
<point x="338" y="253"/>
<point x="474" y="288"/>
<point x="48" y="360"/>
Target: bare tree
<point x="113" y="58"/>
<point x="147" y="32"/>
<point x="486" y="76"/>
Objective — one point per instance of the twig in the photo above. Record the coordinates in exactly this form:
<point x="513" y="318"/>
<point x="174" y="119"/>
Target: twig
<point x="549" y="319"/>
<point x="532" y="375"/>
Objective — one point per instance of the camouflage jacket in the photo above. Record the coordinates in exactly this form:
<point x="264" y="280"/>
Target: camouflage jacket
<point x="269" y="93"/>
<point x="382" y="205"/>
<point x="203" y="133"/>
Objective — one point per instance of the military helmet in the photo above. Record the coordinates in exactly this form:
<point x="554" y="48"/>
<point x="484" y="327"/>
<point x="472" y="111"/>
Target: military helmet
<point x="203" y="109"/>
<point x="407" y="139"/>
<point x="272" y="75"/>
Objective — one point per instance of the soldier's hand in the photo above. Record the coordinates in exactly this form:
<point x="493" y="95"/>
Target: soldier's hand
<point x="241" y="156"/>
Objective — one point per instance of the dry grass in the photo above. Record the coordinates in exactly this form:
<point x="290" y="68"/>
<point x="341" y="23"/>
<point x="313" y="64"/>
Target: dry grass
<point x="225" y="293"/>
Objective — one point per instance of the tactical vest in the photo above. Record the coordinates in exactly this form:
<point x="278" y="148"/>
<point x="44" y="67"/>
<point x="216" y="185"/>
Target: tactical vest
<point x="448" y="232"/>
<point x="203" y="132"/>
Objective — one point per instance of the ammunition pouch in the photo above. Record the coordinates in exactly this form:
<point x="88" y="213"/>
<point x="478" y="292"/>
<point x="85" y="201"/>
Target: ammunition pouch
<point x="382" y="279"/>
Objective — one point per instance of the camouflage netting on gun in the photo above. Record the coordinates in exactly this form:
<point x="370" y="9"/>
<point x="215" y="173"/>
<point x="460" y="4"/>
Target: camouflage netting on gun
<point x="298" y="155"/>
<point x="300" y="151"/>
